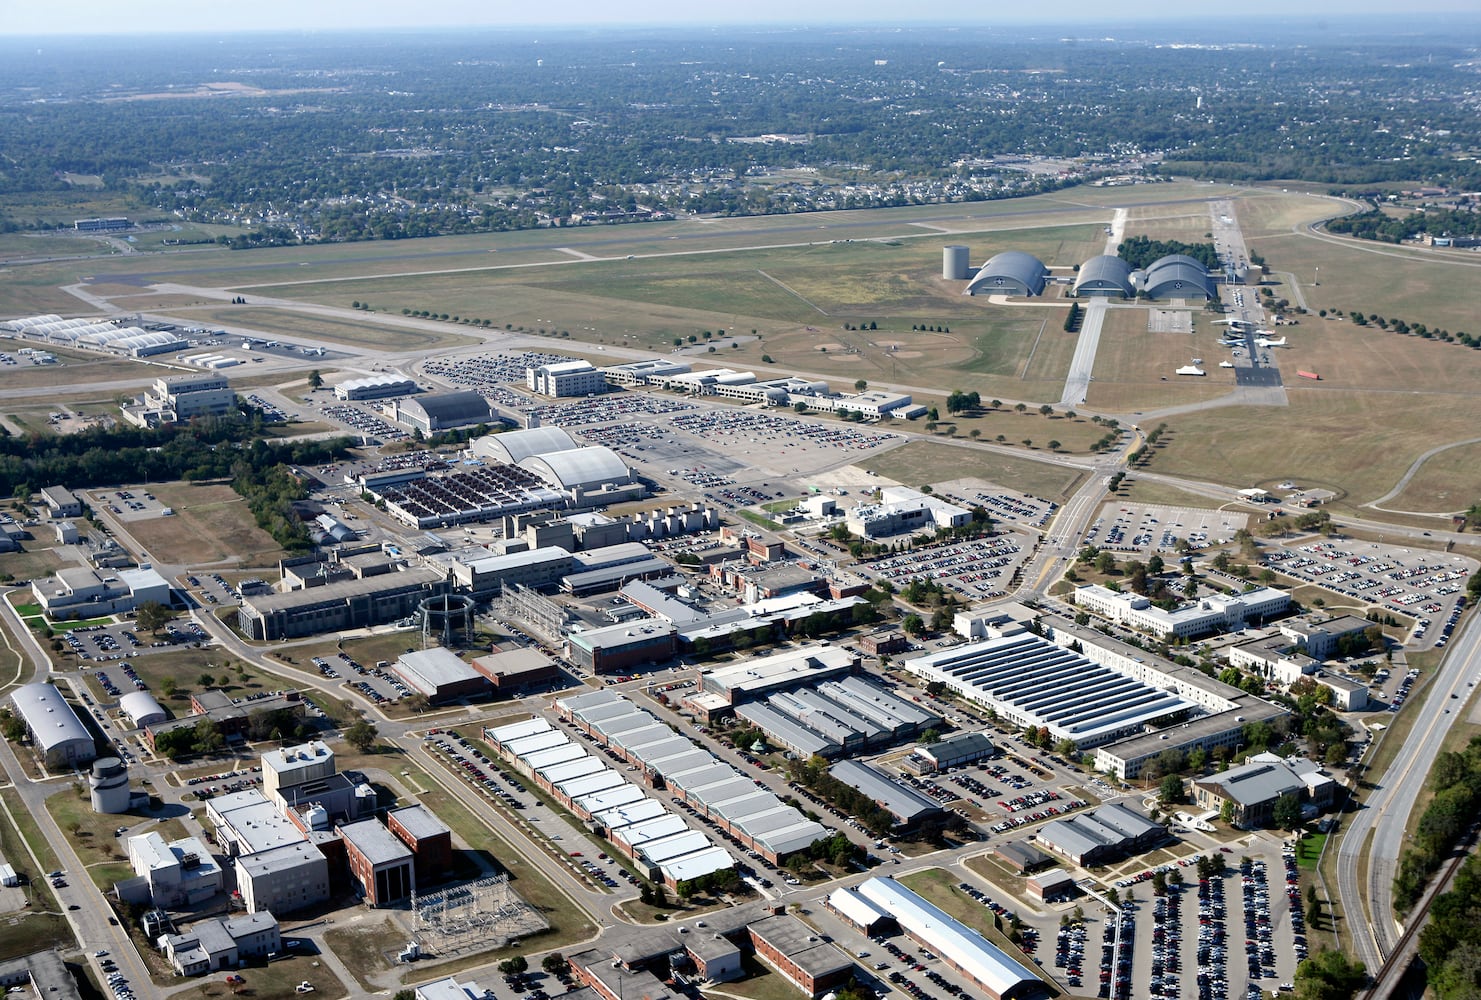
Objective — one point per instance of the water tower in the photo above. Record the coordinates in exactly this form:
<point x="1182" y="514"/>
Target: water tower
<point x="109" y="785"/>
<point x="955" y="262"/>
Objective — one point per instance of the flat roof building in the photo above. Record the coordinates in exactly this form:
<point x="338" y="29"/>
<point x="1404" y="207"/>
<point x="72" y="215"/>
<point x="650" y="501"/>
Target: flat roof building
<point x="283" y="879"/>
<point x="753" y="678"/>
<point x="440" y="675"/>
<point x="380" y="864"/>
<point x="565" y="378"/>
<point x="338" y="607"/>
<point x="905" y="804"/>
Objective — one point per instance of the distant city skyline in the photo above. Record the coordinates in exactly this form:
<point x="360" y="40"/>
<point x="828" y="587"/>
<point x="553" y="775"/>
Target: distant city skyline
<point x="88" y="17"/>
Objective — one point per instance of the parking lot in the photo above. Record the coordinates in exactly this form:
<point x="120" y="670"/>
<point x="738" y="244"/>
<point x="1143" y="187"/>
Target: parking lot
<point x="361" y="418"/>
<point x="1147" y="528"/>
<point x="1001" y="505"/>
<point x="376" y="683"/>
<point x="128" y="504"/>
<point x="982" y="566"/>
<point x="1427" y="586"/>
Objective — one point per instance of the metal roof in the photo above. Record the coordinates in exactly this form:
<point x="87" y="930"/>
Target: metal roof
<point x="1105" y="272"/>
<point x="793" y="735"/>
<point x="141" y="708"/>
<point x="959" y="944"/>
<point x="513" y="447"/>
<point x="600" y="781"/>
<point x="430" y="669"/>
<point x="905" y="803"/>
<point x="675" y="845"/>
<point x="519" y="730"/>
<point x="1177" y="276"/>
<point x="575" y="768"/>
<point x="796" y="837"/>
<point x="698" y="864"/>
<point x="576" y="703"/>
<point x="578" y="468"/>
<point x="609" y="799"/>
<point x="555" y="755"/>
<point x="526" y="745"/>
<point x="46" y="713"/>
<point x="655" y="828"/>
<point x="617" y="818"/>
<point x="1007" y="270"/>
<point x="856" y="909"/>
<point x="958" y="748"/>
<point x="452" y="407"/>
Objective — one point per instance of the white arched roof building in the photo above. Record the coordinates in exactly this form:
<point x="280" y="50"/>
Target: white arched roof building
<point x="59" y="735"/>
<point x="142" y="709"/>
<point x="579" y="468"/>
<point x="513" y="447"/>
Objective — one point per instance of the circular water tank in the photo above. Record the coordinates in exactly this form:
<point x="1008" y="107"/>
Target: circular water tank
<point x="108" y="785"/>
<point x="955" y="262"/>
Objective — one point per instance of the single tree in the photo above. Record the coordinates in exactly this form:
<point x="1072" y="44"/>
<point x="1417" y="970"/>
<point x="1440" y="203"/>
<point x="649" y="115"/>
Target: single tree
<point x="361" y="735"/>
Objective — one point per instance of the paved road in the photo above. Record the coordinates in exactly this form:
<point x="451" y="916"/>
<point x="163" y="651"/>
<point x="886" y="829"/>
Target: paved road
<point x="1385" y="811"/>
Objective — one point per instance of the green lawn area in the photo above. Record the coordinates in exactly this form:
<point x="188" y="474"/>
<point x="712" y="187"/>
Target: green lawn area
<point x="761" y="982"/>
<point x="275" y="980"/>
<point x="1310" y="851"/>
<point x="42" y="925"/>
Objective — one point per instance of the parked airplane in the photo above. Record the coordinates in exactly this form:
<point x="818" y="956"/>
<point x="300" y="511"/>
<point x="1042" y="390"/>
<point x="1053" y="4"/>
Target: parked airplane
<point x="1232" y="322"/>
<point x="1267" y="342"/>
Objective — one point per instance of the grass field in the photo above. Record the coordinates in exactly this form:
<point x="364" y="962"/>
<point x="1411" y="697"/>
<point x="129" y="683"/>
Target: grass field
<point x="403" y="334"/>
<point x="1446" y="483"/>
<point x="1187" y="224"/>
<point x="921" y="462"/>
<point x="1134" y="368"/>
<point x="1397" y="282"/>
<point x="1233" y="445"/>
<point x="211" y="523"/>
<point x="276" y="980"/>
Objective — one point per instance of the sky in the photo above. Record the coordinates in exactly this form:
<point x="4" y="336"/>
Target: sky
<point x="89" y="17"/>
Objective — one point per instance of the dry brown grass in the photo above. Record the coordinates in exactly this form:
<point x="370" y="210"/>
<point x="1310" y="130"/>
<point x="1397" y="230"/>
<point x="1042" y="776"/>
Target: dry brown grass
<point x="922" y="462"/>
<point x="211" y="523"/>
<point x="1447" y="482"/>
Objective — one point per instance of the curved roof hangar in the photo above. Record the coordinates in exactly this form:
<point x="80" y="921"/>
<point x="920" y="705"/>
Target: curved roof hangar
<point x="1011" y="272"/>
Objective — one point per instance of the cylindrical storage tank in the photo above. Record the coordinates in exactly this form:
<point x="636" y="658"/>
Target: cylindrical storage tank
<point x="955" y="262"/>
<point x="109" y="785"/>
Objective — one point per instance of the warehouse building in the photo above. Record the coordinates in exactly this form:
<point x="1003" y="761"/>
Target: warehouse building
<point x="565" y="378"/>
<point x="859" y="913"/>
<point x="375" y="387"/>
<point x="1109" y="832"/>
<point x="963" y="948"/>
<point x="752" y="679"/>
<point x="954" y="751"/>
<point x="440" y="675"/>
<point x="442" y="411"/>
<point x="841" y="716"/>
<point x="57" y="734"/>
<point x="283" y="879"/>
<point x="1023" y="858"/>
<point x="141" y="709"/>
<point x="1011" y="272"/>
<point x="1030" y="681"/>
<point x="381" y="865"/>
<point x="61" y="502"/>
<point x="908" y="807"/>
<point x="338" y="607"/>
<point x="518" y="669"/>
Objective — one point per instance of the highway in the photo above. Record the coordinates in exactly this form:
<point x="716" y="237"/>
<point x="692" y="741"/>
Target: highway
<point x="1367" y="899"/>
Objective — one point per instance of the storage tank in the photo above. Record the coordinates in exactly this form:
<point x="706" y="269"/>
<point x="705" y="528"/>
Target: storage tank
<point x="954" y="262"/>
<point x="109" y="785"/>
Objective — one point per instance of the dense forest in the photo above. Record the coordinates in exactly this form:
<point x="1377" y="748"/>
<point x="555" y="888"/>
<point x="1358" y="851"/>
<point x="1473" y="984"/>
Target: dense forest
<point x="1376" y="225"/>
<point x="323" y="137"/>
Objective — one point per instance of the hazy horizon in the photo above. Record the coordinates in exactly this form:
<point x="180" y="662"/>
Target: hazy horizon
<point x="94" y="17"/>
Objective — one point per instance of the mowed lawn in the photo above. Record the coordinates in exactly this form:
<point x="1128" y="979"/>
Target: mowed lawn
<point x="211" y="523"/>
<point x="926" y="462"/>
<point x="1446" y="483"/>
<point x="1314" y="440"/>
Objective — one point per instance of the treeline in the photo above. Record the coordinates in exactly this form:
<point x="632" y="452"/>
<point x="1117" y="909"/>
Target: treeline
<point x="1456" y="779"/>
<point x="1405" y="328"/>
<point x="1375" y="225"/>
<point x="1450" y="944"/>
<point x="206" y="449"/>
<point x="813" y="775"/>
<point x="1142" y="252"/>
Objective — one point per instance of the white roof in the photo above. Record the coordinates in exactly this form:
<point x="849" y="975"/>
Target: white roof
<point x="627" y="815"/>
<point x="430" y="669"/>
<point x="518" y="730"/>
<point x="959" y="944"/>
<point x="636" y="834"/>
<point x="512" y="447"/>
<point x="526" y="745"/>
<point x="575" y="768"/>
<point x="698" y="864"/>
<point x="609" y="799"/>
<point x="141" y="707"/>
<point x="593" y="465"/>
<point x="855" y="907"/>
<point x="51" y="720"/>
<point x="574" y="788"/>
<point x="562" y="754"/>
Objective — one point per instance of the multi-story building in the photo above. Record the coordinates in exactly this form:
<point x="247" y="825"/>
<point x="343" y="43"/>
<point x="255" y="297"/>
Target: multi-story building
<point x="381" y="865"/>
<point x="565" y="378"/>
